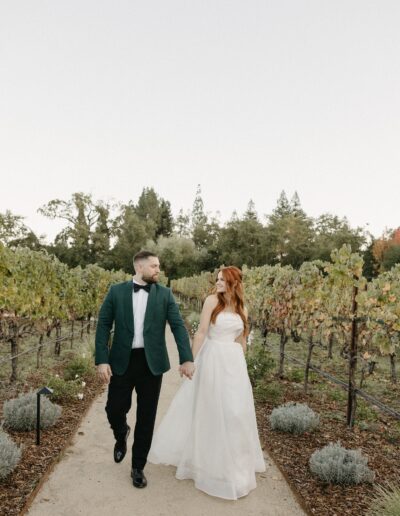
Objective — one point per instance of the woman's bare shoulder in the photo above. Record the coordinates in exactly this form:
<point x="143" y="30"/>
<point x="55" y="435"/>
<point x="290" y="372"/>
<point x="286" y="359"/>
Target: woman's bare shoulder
<point x="211" y="300"/>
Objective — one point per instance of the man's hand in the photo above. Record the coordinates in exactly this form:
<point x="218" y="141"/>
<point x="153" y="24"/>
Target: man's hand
<point x="104" y="372"/>
<point x="187" y="369"/>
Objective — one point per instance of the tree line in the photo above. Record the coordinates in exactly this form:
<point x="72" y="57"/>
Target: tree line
<point x="107" y="234"/>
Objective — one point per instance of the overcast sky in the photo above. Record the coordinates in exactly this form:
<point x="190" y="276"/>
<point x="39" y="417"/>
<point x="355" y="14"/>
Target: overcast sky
<point x="247" y="98"/>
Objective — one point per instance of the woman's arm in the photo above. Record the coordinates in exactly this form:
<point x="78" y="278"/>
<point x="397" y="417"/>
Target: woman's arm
<point x="242" y="339"/>
<point x="209" y="304"/>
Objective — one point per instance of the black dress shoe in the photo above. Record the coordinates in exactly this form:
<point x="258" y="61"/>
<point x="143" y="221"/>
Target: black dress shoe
<point x="120" y="447"/>
<point x="138" y="478"/>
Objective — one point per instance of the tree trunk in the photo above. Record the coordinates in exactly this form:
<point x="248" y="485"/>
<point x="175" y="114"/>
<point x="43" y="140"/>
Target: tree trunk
<point x="308" y="363"/>
<point x="264" y="335"/>
<point x="57" y="348"/>
<point x="352" y="397"/>
<point x="72" y="332"/>
<point x="330" y="346"/>
<point x="14" y="351"/>
<point x="88" y="324"/>
<point x="39" y="355"/>
<point x="282" y="343"/>
<point x="393" y="373"/>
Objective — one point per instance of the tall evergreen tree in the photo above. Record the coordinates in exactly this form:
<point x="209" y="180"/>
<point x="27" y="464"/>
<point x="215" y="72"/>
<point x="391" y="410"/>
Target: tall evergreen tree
<point x="100" y="237"/>
<point x="198" y="215"/>
<point x="132" y="235"/>
<point x="166" y="220"/>
<point x="251" y="213"/>
<point x="295" y="206"/>
<point x="371" y="266"/>
<point x="182" y="224"/>
<point x="199" y="221"/>
<point x="282" y="208"/>
<point x="289" y="233"/>
<point x="155" y="213"/>
<point x="241" y="240"/>
<point x="331" y="232"/>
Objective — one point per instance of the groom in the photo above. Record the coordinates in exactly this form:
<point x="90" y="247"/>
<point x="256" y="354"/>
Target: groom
<point x="138" y="356"/>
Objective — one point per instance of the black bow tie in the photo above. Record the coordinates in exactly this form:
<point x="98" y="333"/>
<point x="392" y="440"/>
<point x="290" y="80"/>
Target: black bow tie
<point x="137" y="287"/>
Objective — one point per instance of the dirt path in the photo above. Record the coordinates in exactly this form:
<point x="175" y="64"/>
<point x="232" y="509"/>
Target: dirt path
<point x="87" y="481"/>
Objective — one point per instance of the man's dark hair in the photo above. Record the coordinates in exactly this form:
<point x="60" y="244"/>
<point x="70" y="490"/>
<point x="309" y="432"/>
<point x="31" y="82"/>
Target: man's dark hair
<point x="142" y="255"/>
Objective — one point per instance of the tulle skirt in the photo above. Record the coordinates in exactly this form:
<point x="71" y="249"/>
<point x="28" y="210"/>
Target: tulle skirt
<point x="210" y="431"/>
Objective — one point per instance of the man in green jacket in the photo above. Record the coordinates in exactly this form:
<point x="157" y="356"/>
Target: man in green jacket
<point x="138" y="357"/>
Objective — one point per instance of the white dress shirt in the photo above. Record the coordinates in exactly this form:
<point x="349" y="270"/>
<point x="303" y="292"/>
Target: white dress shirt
<point x="139" y="302"/>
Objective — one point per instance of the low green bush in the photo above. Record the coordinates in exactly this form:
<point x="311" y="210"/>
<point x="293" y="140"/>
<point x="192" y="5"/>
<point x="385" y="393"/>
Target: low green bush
<point x="20" y="413"/>
<point x="295" y="375"/>
<point x="64" y="390"/>
<point x="337" y="394"/>
<point x="79" y="367"/>
<point x="295" y="418"/>
<point x="333" y="464"/>
<point x="259" y="363"/>
<point x="268" y="392"/>
<point x="10" y="455"/>
<point x="365" y="412"/>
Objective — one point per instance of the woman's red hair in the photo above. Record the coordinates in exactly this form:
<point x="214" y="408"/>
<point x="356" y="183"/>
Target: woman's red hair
<point x="234" y="287"/>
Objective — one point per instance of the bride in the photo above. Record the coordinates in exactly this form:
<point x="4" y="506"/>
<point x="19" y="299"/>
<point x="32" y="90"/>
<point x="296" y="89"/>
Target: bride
<point x="209" y="431"/>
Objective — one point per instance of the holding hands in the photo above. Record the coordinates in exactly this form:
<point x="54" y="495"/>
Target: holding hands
<point x="187" y="369"/>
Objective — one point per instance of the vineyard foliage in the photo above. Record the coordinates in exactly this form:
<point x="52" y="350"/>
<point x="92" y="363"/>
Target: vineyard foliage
<point x="314" y="302"/>
<point x="38" y="291"/>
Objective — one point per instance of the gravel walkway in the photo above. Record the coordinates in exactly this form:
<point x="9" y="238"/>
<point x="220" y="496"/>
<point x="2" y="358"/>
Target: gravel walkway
<point x="87" y="481"/>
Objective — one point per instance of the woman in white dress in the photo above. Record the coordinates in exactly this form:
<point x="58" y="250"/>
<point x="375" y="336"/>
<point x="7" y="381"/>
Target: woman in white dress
<point x="210" y="431"/>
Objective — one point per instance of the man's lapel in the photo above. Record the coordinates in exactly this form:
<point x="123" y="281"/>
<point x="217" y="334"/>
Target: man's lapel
<point x="151" y="303"/>
<point x="128" y="305"/>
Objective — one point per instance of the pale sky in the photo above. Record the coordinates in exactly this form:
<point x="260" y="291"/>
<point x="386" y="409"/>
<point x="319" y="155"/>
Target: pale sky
<point x="247" y="98"/>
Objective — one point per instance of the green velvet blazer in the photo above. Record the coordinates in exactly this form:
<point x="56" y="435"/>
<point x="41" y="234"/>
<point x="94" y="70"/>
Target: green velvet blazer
<point x="117" y="309"/>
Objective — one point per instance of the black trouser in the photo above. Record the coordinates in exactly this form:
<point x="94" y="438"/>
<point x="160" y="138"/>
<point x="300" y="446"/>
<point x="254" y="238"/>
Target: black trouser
<point x="138" y="376"/>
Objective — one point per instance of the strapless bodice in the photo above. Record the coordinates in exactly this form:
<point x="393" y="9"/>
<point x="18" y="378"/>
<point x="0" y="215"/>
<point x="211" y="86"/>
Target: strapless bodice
<point x="228" y="326"/>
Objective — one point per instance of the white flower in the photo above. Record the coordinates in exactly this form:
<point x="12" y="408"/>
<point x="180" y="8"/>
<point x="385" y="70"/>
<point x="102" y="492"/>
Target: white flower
<point x="83" y="384"/>
<point x="80" y="396"/>
<point x="77" y="376"/>
<point x="57" y="375"/>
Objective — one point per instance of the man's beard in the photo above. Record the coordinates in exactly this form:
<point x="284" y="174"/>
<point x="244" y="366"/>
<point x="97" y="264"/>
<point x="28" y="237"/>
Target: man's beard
<point x="149" y="279"/>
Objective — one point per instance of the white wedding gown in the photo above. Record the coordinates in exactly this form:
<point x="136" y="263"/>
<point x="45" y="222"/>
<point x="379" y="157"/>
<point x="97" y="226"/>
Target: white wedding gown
<point x="209" y="431"/>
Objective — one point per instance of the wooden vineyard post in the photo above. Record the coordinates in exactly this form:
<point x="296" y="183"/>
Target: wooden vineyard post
<point x="352" y="396"/>
<point x="393" y="374"/>
<point x="14" y="352"/>
<point x="72" y="332"/>
<point x="330" y="346"/>
<point x="57" y="347"/>
<point x="308" y="363"/>
<point x="39" y="355"/>
<point x="282" y="342"/>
